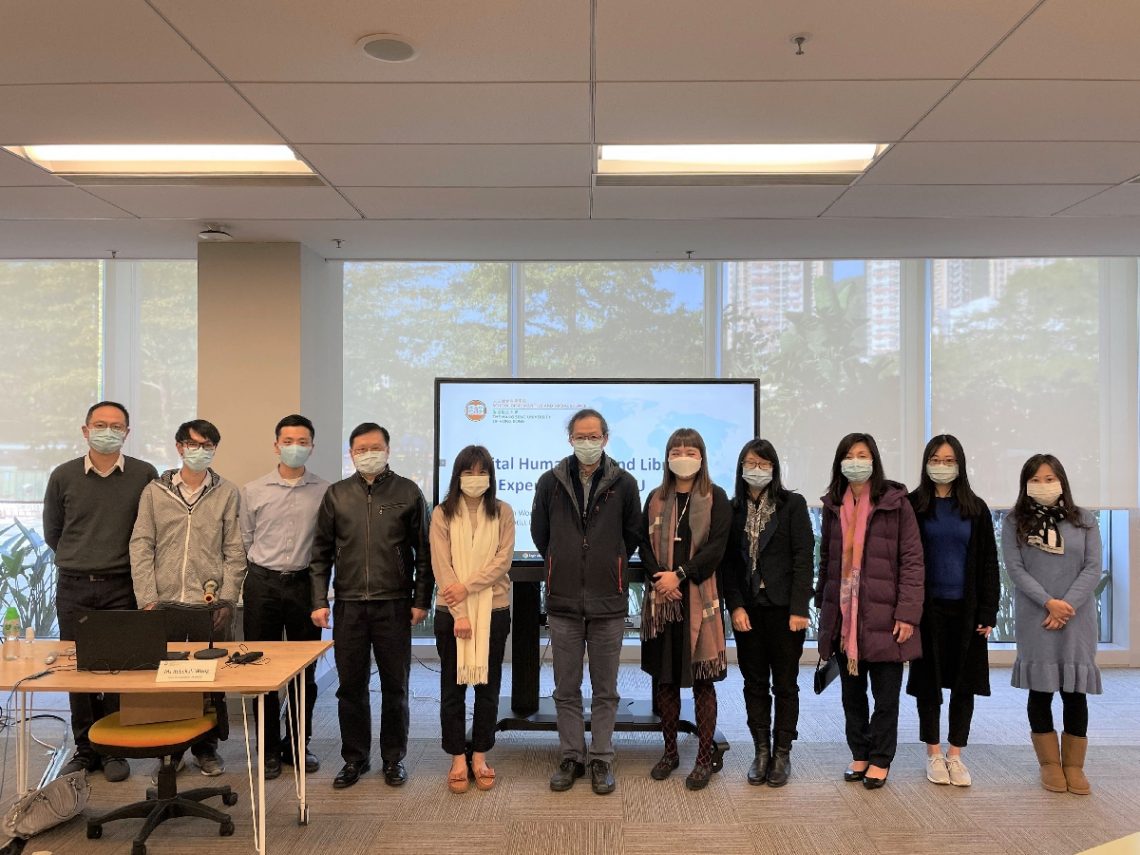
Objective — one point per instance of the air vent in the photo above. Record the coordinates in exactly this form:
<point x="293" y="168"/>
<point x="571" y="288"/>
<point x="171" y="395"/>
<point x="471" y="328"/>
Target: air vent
<point x="723" y="179"/>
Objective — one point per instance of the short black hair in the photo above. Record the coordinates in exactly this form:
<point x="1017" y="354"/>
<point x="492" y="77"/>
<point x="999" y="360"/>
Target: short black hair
<point x="586" y="414"/>
<point x="116" y="405"/>
<point x="200" y="427"/>
<point x="368" y="427"/>
<point x="295" y="420"/>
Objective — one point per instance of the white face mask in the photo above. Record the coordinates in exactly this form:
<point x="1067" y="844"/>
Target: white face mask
<point x="1044" y="494"/>
<point x="474" y="485"/>
<point x="684" y="467"/>
<point x="370" y="462"/>
<point x="756" y="478"/>
<point x="857" y="470"/>
<point x="588" y="451"/>
<point x="940" y="474"/>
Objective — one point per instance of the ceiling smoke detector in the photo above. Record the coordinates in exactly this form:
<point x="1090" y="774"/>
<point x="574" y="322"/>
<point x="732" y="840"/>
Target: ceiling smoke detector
<point x="388" y="47"/>
<point x="214" y="233"/>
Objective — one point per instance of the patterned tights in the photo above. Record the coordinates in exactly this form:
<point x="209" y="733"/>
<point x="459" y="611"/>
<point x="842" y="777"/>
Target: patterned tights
<point x="668" y="699"/>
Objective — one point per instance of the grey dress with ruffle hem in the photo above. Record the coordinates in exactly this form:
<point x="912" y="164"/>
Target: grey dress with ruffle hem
<point x="1061" y="659"/>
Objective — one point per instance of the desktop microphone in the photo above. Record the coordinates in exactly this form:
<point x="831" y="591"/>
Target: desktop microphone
<point x="210" y="596"/>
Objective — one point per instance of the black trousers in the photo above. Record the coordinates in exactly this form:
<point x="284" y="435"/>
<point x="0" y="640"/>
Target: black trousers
<point x="769" y="659"/>
<point x="960" y="715"/>
<point x="453" y="696"/>
<point x="872" y="737"/>
<point x="1074" y="712"/>
<point x="279" y="604"/>
<point x="76" y="593"/>
<point x="363" y="629"/>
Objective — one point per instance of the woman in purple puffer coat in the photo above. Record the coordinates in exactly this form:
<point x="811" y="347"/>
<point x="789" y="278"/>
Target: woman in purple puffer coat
<point x="870" y="593"/>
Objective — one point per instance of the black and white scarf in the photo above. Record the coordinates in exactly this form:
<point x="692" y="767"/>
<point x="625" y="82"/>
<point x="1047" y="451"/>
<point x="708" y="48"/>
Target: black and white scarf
<point x="1044" y="534"/>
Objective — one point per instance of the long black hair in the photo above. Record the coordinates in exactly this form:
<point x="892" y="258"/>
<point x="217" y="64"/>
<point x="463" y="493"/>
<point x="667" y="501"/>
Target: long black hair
<point x="877" y="481"/>
<point x="764" y="449"/>
<point x="467" y="459"/>
<point x="1023" y="513"/>
<point x="969" y="505"/>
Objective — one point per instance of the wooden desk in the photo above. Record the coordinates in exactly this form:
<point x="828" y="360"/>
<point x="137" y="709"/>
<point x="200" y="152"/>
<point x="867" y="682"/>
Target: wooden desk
<point x="284" y="661"/>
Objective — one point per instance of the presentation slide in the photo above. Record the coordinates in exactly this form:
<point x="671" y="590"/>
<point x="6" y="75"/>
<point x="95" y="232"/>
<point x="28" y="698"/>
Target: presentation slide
<point x="523" y="424"/>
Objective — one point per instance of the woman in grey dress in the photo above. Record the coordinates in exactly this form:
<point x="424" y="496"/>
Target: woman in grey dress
<point x="1053" y="556"/>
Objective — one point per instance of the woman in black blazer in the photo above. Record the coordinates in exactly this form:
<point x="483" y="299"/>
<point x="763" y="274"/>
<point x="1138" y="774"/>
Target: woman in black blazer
<point x="767" y="586"/>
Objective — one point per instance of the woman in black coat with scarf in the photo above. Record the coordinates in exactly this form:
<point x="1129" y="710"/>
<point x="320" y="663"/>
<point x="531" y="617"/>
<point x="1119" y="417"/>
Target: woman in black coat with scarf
<point x="767" y="587"/>
<point x="962" y="592"/>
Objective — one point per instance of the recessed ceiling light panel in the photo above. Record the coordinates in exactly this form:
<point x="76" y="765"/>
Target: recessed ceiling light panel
<point x="388" y="47"/>
<point x="736" y="159"/>
<point x="164" y="159"/>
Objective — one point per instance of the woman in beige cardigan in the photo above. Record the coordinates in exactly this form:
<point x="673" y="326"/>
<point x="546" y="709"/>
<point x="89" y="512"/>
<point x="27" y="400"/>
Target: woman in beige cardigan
<point x="472" y="543"/>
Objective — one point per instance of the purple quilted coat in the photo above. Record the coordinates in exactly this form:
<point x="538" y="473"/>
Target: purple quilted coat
<point x="891" y="581"/>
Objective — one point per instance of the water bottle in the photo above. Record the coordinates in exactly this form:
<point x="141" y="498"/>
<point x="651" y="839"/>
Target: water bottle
<point x="11" y="633"/>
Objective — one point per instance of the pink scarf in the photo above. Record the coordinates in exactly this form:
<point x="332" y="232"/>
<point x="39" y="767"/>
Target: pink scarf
<point x="853" y="518"/>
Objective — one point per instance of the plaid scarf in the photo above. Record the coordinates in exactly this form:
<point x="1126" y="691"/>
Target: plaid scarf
<point x="853" y="519"/>
<point x="706" y="628"/>
<point x="1044" y="533"/>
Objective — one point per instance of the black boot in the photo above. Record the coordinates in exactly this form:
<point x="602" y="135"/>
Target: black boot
<point x="758" y="771"/>
<point x="781" y="766"/>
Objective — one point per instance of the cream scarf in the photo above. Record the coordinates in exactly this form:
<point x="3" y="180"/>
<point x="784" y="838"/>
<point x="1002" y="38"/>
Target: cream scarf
<point x="474" y="543"/>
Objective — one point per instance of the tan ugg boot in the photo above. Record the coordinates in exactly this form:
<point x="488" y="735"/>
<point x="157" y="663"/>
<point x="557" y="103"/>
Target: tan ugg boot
<point x="1073" y="763"/>
<point x="1049" y="756"/>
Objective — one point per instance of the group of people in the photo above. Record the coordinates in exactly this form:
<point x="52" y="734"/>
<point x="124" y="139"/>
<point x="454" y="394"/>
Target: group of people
<point x="903" y="577"/>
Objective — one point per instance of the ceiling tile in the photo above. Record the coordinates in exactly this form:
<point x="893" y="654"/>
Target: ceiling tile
<point x="53" y="203"/>
<point x="946" y="201"/>
<point x="1121" y="201"/>
<point x="680" y="203"/>
<point x="445" y="203"/>
<point x="298" y="40"/>
<point x="1071" y="39"/>
<point x="233" y="203"/>
<point x="124" y="112"/>
<point x="77" y="41"/>
<point x="17" y="172"/>
<point x="452" y="165"/>
<point x="648" y="40"/>
<point x="1006" y="163"/>
<point x="1035" y="110"/>
<point x="879" y="111"/>
<point x="426" y="112"/>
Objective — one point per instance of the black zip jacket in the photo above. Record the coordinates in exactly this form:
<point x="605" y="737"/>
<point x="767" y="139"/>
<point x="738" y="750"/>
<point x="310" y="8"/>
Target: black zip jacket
<point x="585" y="557"/>
<point x="377" y="536"/>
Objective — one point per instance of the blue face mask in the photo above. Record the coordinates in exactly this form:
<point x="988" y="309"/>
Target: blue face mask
<point x="294" y="456"/>
<point x="857" y="471"/>
<point x="106" y="441"/>
<point x="197" y="459"/>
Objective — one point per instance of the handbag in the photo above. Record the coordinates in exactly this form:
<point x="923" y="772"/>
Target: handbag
<point x="48" y="806"/>
<point x="825" y="674"/>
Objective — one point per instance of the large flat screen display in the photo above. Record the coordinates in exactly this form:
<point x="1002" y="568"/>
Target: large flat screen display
<point x="523" y="424"/>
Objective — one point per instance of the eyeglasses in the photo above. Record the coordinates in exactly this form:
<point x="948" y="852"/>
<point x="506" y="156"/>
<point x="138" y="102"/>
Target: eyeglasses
<point x="117" y="427"/>
<point x="586" y="438"/>
<point x="765" y="465"/>
<point x="356" y="452"/>
<point x="942" y="461"/>
<point x="191" y="445"/>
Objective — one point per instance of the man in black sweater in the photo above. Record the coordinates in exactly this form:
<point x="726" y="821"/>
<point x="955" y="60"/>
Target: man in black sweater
<point x="89" y="512"/>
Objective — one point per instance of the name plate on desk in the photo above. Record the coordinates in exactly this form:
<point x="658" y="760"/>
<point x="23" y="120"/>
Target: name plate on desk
<point x="187" y="671"/>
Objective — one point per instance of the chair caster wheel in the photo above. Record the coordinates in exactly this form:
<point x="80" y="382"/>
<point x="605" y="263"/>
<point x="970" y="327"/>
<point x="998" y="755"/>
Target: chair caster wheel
<point x="138" y="848"/>
<point x="226" y="829"/>
<point x="230" y="799"/>
<point x="94" y="832"/>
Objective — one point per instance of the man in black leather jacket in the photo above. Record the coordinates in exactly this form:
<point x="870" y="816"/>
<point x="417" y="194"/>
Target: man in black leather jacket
<point x="374" y="526"/>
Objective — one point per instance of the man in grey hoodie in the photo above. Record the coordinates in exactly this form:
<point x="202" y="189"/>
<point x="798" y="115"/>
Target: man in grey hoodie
<point x="186" y="547"/>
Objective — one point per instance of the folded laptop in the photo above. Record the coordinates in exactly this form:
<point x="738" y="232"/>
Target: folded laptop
<point x="113" y="640"/>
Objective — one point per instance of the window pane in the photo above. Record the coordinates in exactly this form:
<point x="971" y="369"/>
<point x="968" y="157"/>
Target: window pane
<point x="1015" y="365"/>
<point x="49" y="368"/>
<point x="167" y="392"/>
<point x="614" y="319"/>
<point x="823" y="338"/>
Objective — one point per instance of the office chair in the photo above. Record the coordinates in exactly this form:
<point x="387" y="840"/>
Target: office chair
<point x="166" y="740"/>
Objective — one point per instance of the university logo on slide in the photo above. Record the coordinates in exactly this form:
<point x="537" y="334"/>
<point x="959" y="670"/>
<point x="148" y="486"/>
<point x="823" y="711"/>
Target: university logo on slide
<point x="476" y="411"/>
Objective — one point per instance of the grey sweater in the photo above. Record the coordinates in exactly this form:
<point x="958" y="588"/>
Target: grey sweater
<point x="176" y="548"/>
<point x="88" y="518"/>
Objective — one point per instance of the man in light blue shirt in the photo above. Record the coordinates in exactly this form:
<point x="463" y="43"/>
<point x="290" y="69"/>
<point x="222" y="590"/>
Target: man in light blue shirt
<point x="277" y="519"/>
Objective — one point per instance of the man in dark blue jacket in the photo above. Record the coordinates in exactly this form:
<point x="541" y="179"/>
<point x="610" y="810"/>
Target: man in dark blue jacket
<point x="586" y="522"/>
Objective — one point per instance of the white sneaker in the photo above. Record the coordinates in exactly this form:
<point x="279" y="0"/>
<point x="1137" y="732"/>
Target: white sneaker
<point x="936" y="770"/>
<point x="959" y="774"/>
